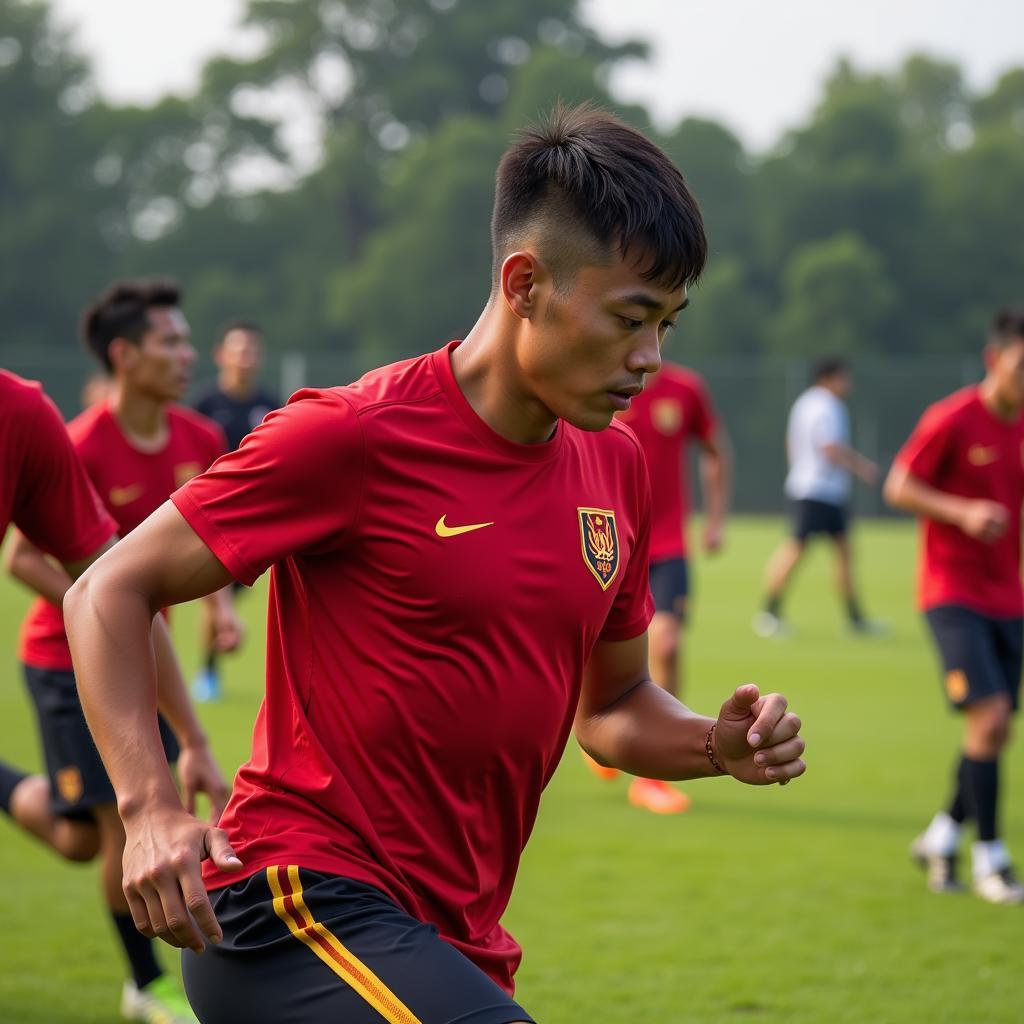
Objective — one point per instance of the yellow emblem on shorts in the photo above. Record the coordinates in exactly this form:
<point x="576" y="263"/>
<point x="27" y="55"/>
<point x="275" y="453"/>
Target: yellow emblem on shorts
<point x="184" y="472"/>
<point x="956" y="685"/>
<point x="69" y="784"/>
<point x="600" y="542"/>
<point x="667" y="415"/>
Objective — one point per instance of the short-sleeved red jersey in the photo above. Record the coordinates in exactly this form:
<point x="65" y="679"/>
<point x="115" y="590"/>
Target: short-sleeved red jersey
<point x="673" y="408"/>
<point x="44" y="490"/>
<point x="436" y="591"/>
<point x="960" y="447"/>
<point x="131" y="483"/>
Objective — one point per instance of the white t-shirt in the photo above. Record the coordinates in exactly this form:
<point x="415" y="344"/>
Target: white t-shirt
<point x="818" y="418"/>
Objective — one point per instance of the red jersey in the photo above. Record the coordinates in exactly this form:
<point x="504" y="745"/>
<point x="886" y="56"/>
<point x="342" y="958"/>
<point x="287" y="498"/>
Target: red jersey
<point x="132" y="484"/>
<point x="673" y="408"/>
<point x="44" y="490"/>
<point x="960" y="447"/>
<point x="436" y="591"/>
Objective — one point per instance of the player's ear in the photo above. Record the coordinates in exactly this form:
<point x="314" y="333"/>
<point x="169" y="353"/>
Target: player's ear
<point x="122" y="353"/>
<point x="522" y="276"/>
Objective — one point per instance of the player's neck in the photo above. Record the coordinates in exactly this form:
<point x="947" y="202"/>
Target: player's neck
<point x="235" y="387"/>
<point x="988" y="392"/>
<point x="142" y="418"/>
<point x="484" y="368"/>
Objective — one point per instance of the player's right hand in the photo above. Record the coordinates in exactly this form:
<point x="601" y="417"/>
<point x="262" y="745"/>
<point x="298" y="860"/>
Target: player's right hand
<point x="162" y="878"/>
<point x="984" y="520"/>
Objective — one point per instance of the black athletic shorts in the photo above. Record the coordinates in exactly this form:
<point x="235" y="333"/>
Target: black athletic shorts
<point x="981" y="656"/>
<point x="670" y="585"/>
<point x="811" y="517"/>
<point x="78" y="780"/>
<point x="305" y="948"/>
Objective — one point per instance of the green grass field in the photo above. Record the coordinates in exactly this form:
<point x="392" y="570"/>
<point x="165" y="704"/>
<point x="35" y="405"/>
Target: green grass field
<point x="791" y="906"/>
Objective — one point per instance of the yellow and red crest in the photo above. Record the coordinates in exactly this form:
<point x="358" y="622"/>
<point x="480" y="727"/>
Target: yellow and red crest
<point x="667" y="415"/>
<point x="600" y="541"/>
<point x="69" y="784"/>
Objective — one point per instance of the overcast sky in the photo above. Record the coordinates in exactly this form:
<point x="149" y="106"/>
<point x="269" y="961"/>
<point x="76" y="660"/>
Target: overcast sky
<point x="754" y="65"/>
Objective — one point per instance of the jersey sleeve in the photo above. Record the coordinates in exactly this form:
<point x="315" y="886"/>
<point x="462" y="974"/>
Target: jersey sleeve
<point x="705" y="419"/>
<point x="55" y="505"/>
<point x="924" y="453"/>
<point x="292" y="487"/>
<point x="828" y="424"/>
<point x="633" y="607"/>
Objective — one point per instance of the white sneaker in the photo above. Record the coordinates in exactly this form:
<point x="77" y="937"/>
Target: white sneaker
<point x="939" y="869"/>
<point x="766" y="624"/>
<point x="160" y="1002"/>
<point x="1000" y="887"/>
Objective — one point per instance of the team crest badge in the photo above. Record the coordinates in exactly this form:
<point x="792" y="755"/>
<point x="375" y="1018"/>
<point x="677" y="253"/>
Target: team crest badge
<point x="69" y="784"/>
<point x="667" y="415"/>
<point x="600" y="542"/>
<point x="184" y="471"/>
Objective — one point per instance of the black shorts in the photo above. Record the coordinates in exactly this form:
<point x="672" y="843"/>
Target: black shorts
<point x="78" y="780"/>
<point x="811" y="517"/>
<point x="981" y="656"/>
<point x="305" y="948"/>
<point x="670" y="585"/>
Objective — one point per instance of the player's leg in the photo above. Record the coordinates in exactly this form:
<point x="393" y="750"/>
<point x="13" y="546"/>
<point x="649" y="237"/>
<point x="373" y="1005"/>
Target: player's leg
<point x="670" y="587"/>
<point x="206" y="686"/>
<point x="311" y="948"/>
<point x="780" y="568"/>
<point x="840" y="534"/>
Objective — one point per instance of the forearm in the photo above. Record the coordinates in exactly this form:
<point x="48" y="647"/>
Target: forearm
<point x="27" y="564"/>
<point x="110" y="630"/>
<point x="716" y="484"/>
<point x="905" y="492"/>
<point x="172" y="693"/>
<point x="648" y="732"/>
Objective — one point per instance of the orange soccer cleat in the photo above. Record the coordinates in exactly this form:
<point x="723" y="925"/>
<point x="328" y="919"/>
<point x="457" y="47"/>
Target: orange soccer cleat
<point x="658" y="797"/>
<point x="600" y="770"/>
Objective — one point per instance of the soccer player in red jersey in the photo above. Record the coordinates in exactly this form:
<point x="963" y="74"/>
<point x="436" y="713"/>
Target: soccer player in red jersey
<point x="458" y="547"/>
<point x="673" y="410"/>
<point x="962" y="472"/>
<point x="136" y="446"/>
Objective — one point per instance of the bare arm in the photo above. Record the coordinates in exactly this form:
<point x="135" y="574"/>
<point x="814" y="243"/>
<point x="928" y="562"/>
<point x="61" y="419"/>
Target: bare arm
<point x="625" y="720"/>
<point x="851" y="460"/>
<point x="35" y="569"/>
<point x="108" y="614"/>
<point x="716" y="486"/>
<point x="979" y="518"/>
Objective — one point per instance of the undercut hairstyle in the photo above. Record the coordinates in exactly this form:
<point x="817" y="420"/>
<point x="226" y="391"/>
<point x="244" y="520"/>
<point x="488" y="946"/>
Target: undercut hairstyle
<point x="582" y="187"/>
<point x="249" y="326"/>
<point x="1007" y="326"/>
<point x="828" y="366"/>
<point x="122" y="311"/>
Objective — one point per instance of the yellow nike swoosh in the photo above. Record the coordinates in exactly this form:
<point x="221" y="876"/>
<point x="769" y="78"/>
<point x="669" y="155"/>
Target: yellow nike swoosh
<point x="125" y="495"/>
<point x="979" y="455"/>
<point x="443" y="530"/>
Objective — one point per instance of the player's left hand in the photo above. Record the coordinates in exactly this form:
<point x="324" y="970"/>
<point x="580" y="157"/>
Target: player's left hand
<point x="198" y="773"/>
<point x="227" y="629"/>
<point x="714" y="537"/>
<point x="757" y="740"/>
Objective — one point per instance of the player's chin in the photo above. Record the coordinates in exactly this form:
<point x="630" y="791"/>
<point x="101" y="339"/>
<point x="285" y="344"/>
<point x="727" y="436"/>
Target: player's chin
<point x="590" y="417"/>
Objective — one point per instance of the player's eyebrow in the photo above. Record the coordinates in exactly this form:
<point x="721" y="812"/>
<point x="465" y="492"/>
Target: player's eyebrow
<point x="648" y="302"/>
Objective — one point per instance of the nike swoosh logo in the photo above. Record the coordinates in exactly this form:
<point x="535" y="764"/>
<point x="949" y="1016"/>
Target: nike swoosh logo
<point x="125" y="495"/>
<point x="443" y="530"/>
<point x="979" y="455"/>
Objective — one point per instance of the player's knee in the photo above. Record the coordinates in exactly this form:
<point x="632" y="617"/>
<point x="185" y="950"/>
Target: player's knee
<point x="991" y="730"/>
<point x="77" y="842"/>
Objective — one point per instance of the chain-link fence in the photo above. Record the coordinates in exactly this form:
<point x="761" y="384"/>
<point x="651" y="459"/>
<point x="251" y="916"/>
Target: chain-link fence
<point x="752" y="395"/>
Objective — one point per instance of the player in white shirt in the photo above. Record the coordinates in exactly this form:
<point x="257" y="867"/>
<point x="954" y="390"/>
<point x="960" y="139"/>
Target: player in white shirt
<point x="821" y="464"/>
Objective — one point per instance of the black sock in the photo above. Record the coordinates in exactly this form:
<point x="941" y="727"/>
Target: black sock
<point x="958" y="805"/>
<point x="981" y="792"/>
<point x="773" y="604"/>
<point x="853" y="610"/>
<point x="138" y="949"/>
<point x="9" y="779"/>
<point x="211" y="661"/>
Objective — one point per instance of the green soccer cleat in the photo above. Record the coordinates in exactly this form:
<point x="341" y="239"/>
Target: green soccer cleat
<point x="160" y="1002"/>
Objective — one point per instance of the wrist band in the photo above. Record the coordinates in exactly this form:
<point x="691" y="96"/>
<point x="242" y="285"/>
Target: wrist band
<point x="710" y="751"/>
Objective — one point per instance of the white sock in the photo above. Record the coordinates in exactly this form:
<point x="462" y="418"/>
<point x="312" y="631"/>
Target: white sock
<point x="987" y="858"/>
<point x="942" y="836"/>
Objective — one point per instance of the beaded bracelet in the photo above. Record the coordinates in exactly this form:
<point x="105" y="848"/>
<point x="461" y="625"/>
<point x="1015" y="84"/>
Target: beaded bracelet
<point x="710" y="751"/>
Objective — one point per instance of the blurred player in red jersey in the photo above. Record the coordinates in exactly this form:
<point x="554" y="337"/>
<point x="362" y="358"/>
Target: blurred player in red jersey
<point x="962" y="472"/>
<point x="459" y="550"/>
<point x="136" y="447"/>
<point x="673" y="410"/>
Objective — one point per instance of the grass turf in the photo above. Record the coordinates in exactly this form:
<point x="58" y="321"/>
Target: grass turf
<point x="794" y="905"/>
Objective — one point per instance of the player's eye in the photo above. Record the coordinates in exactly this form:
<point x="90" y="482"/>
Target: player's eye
<point x="630" y="324"/>
<point x="668" y="325"/>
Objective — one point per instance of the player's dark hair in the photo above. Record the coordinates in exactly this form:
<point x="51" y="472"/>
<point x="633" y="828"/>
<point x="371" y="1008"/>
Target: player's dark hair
<point x="828" y="366"/>
<point x="1007" y="326"/>
<point x="122" y="311"/>
<point x="581" y="185"/>
<point x="239" y="324"/>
